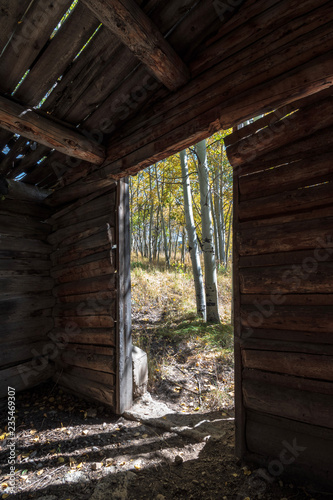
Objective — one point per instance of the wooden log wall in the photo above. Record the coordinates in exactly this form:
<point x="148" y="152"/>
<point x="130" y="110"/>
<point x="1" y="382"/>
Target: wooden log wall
<point x="283" y="263"/>
<point x="83" y="267"/>
<point x="26" y="300"/>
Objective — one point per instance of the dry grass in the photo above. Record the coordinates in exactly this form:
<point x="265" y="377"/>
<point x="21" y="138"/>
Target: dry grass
<point x="165" y="325"/>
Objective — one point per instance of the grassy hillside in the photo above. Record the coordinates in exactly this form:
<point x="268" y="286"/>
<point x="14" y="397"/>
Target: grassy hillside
<point x="181" y="347"/>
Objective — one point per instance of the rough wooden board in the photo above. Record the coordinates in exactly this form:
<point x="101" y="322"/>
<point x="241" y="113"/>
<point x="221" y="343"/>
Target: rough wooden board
<point x="88" y="358"/>
<point x="24" y="376"/>
<point x="285" y="236"/>
<point x="71" y="234"/>
<point x="302" y="172"/>
<point x="98" y="267"/>
<point x="300" y="318"/>
<point x="299" y="125"/>
<point x="29" y="39"/>
<point x="30" y="246"/>
<point x="86" y="286"/>
<point x="310" y="276"/>
<point x="248" y="69"/>
<point x="58" y="55"/>
<point x="17" y="285"/>
<point x="86" y="336"/>
<point x="35" y="210"/>
<point x="141" y="36"/>
<point x="88" y="389"/>
<point x="297" y="364"/>
<point x="267" y="434"/>
<point x="26" y="122"/>
<point x="269" y="19"/>
<point x="310" y="408"/>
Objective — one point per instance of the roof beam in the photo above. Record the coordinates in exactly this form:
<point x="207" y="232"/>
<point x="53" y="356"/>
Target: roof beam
<point x="54" y="134"/>
<point x="136" y="30"/>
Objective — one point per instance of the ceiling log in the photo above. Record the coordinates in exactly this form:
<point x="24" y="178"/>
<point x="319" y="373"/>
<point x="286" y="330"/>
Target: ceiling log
<point x="135" y="29"/>
<point x="54" y="134"/>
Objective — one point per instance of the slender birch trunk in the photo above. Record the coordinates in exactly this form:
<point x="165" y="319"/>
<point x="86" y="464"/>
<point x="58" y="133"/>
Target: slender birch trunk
<point x="212" y="307"/>
<point x="219" y="212"/>
<point x="214" y="217"/>
<point x="183" y="245"/>
<point x="229" y="233"/>
<point x="166" y="252"/>
<point x="151" y="218"/>
<point x="192" y="239"/>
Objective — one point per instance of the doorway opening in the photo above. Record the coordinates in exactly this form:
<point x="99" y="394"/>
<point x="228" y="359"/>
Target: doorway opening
<point x="190" y="357"/>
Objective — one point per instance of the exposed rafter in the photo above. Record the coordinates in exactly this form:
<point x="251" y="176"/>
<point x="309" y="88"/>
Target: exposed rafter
<point x="53" y="134"/>
<point x="134" y="28"/>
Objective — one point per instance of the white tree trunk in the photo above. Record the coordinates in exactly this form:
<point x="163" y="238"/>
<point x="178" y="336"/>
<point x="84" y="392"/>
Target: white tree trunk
<point x="212" y="308"/>
<point x="192" y="239"/>
<point x="219" y="213"/>
<point x="159" y="195"/>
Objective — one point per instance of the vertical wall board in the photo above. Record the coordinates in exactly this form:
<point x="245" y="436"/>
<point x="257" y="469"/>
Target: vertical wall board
<point x="124" y="388"/>
<point x="239" y="406"/>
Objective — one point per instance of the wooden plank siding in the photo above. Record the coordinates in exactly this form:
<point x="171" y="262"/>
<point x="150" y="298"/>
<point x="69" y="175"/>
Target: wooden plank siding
<point x="26" y="300"/>
<point x="85" y="313"/>
<point x="283" y="263"/>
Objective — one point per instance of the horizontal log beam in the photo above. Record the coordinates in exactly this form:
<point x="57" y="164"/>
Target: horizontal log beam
<point x="28" y="123"/>
<point x="296" y="84"/>
<point x="131" y="25"/>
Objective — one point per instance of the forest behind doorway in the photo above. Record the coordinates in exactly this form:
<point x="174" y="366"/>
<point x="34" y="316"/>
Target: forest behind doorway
<point x="190" y="357"/>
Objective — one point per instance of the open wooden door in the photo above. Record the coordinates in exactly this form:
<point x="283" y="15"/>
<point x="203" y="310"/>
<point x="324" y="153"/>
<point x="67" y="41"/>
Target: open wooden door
<point x="92" y="316"/>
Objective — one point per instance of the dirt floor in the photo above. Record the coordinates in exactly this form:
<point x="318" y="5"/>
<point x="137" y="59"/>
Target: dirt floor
<point x="176" y="443"/>
<point x="68" y="449"/>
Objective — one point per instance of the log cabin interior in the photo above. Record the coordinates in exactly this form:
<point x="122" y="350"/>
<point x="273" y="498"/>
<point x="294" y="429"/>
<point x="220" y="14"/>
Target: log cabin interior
<point x="94" y="91"/>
